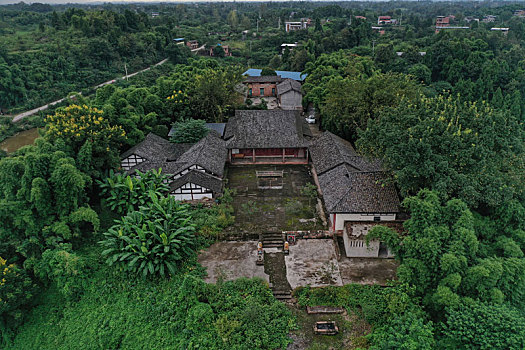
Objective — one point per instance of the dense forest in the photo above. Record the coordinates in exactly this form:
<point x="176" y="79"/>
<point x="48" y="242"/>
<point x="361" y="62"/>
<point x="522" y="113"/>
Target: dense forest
<point x="92" y="258"/>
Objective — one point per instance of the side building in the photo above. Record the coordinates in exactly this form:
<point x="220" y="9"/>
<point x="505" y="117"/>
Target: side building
<point x="357" y="193"/>
<point x="194" y="171"/>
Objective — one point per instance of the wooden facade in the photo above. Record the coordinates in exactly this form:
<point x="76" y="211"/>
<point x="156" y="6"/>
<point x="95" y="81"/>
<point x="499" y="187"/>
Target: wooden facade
<point x="268" y="155"/>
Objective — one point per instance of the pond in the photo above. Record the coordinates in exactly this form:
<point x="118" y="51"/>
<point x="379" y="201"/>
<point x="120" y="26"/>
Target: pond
<point x="23" y="138"/>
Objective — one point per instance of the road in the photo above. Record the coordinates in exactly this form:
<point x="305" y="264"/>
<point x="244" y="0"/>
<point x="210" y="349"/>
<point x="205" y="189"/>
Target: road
<point x="23" y="115"/>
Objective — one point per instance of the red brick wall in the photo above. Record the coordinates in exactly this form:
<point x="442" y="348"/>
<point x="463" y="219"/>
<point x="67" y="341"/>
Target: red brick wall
<point x="256" y="89"/>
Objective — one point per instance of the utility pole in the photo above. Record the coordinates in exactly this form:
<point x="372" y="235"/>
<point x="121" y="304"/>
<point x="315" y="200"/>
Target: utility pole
<point x="279" y="24"/>
<point x="257" y="26"/>
<point x="126" y="69"/>
<point x="373" y="47"/>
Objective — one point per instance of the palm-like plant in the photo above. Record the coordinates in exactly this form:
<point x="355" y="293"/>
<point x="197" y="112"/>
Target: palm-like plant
<point x="125" y="193"/>
<point x="152" y="240"/>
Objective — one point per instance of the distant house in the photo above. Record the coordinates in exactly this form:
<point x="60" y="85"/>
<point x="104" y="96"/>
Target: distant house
<point x="353" y="188"/>
<point x="192" y="44"/>
<point x="154" y="14"/>
<point x="195" y="171"/>
<point x="299" y="25"/>
<point x="254" y="72"/>
<point x="267" y="137"/>
<point x="226" y="48"/>
<point x="489" y="19"/>
<point x="262" y="86"/>
<point x="288" y="47"/>
<point x="360" y="17"/>
<point x="519" y="13"/>
<point x="179" y="41"/>
<point x="384" y="20"/>
<point x="289" y="95"/>
<point x="442" y="21"/>
<point x="503" y="30"/>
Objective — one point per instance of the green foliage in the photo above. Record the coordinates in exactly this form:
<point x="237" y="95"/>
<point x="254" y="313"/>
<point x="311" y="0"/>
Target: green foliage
<point x="440" y="256"/>
<point x="42" y="201"/>
<point x="267" y="71"/>
<point x="66" y="269"/>
<point x="189" y="131"/>
<point x="124" y="193"/>
<point x="16" y="291"/>
<point x="464" y="150"/>
<point x="477" y="325"/>
<point x="178" y="313"/>
<point x="409" y="331"/>
<point x="153" y="240"/>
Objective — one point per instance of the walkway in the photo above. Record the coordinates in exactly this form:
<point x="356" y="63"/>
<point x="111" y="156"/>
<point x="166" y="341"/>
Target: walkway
<point x="23" y="115"/>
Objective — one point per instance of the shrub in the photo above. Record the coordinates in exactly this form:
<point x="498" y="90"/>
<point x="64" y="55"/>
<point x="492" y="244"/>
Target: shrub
<point x="16" y="290"/>
<point x="189" y="131"/>
<point x="153" y="240"/>
<point x="66" y="269"/>
<point x="124" y="193"/>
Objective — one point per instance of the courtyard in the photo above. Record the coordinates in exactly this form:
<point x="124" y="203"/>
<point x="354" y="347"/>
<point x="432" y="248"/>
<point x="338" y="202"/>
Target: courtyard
<point x="272" y="205"/>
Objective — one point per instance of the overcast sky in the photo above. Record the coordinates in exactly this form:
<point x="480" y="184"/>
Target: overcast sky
<point x="4" y="2"/>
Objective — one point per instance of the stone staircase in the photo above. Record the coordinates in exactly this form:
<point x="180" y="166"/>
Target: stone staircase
<point x="272" y="240"/>
<point x="275" y="267"/>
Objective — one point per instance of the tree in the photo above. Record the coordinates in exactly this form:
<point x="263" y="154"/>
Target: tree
<point x="189" y="131"/>
<point x="213" y="93"/>
<point x="344" y="114"/>
<point x="153" y="240"/>
<point x="268" y="72"/>
<point x="476" y="325"/>
<point x="75" y="125"/>
<point x="16" y="291"/>
<point x="460" y="149"/>
<point x="440" y="256"/>
<point x="233" y="19"/>
<point x="177" y="54"/>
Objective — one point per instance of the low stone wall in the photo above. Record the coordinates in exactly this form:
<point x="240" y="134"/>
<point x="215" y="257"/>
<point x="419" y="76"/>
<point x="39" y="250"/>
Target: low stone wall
<point x="293" y="236"/>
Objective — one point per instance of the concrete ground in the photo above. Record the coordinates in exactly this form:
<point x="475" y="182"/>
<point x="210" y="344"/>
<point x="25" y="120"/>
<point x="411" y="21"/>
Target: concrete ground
<point x="231" y="260"/>
<point x="310" y="262"/>
<point x="367" y="270"/>
<point x="313" y="262"/>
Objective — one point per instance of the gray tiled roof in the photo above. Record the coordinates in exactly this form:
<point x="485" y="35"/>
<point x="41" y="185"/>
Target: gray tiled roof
<point x="199" y="178"/>
<point x="329" y="151"/>
<point x="267" y="129"/>
<point x="263" y="79"/>
<point x="209" y="153"/>
<point x="156" y="149"/>
<point x="347" y="191"/>
<point x="288" y="85"/>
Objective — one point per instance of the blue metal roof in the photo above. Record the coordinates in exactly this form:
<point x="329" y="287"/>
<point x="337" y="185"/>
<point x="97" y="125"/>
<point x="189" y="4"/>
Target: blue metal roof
<point x="178" y="39"/>
<point x="254" y="72"/>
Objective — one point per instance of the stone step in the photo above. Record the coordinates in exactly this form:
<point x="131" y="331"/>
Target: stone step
<point x="273" y="245"/>
<point x="282" y="295"/>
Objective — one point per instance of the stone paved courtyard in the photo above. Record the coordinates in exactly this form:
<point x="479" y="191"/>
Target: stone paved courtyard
<point x="310" y="262"/>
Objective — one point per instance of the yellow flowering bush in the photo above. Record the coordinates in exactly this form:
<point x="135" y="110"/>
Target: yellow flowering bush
<point x="77" y="123"/>
<point x="16" y="290"/>
<point x="88" y="135"/>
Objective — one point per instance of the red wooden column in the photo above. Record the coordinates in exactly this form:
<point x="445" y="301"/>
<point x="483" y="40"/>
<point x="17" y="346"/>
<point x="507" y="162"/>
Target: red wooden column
<point x="283" y="155"/>
<point x="253" y="155"/>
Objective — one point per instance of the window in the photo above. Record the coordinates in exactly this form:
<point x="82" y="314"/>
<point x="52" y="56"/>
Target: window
<point x="250" y="92"/>
<point x="262" y="92"/>
<point x="377" y="218"/>
<point x="273" y="91"/>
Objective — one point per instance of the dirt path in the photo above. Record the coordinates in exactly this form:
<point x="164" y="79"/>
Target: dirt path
<point x="23" y="115"/>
